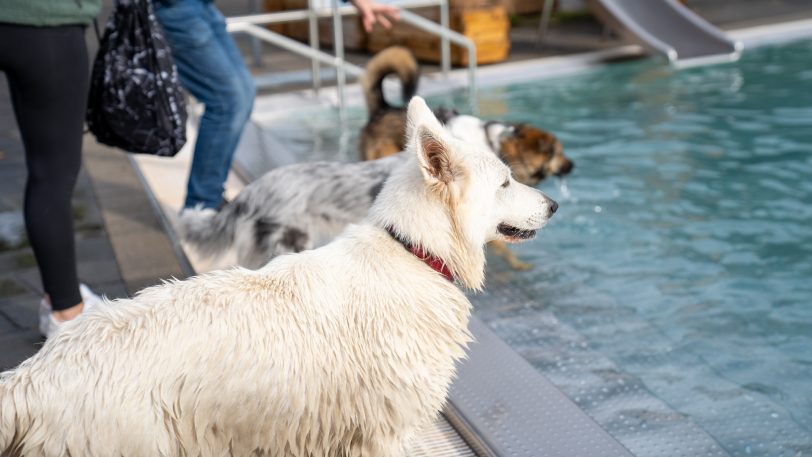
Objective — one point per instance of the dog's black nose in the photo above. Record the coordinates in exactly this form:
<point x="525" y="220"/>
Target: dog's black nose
<point x="553" y="206"/>
<point x="566" y="168"/>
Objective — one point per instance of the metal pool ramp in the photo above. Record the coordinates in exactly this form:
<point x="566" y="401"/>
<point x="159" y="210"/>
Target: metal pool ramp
<point x="668" y="28"/>
<point x="503" y="407"/>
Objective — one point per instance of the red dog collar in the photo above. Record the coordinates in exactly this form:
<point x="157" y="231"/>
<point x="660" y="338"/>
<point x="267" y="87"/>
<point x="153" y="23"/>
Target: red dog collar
<point x="434" y="262"/>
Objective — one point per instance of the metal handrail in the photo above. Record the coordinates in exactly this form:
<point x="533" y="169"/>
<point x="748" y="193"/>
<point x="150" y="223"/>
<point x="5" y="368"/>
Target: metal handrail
<point x="313" y="13"/>
<point x="456" y="37"/>
<point x="296" y="15"/>
<point x="294" y="46"/>
<point x="250" y="24"/>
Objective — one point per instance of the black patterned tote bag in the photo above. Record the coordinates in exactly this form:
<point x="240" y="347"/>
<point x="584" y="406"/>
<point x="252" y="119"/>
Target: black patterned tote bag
<point x="136" y="102"/>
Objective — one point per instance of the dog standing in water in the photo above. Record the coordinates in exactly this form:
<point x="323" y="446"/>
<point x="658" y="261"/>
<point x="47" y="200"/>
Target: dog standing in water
<point x="342" y="351"/>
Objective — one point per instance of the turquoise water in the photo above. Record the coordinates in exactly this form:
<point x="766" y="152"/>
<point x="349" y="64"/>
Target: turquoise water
<point x="672" y="294"/>
<point x="682" y="249"/>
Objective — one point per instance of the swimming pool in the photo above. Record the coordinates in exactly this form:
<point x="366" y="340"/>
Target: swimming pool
<point x="672" y="298"/>
<point x="682" y="251"/>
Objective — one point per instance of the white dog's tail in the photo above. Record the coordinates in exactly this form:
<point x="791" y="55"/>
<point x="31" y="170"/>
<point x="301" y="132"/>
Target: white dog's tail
<point x="210" y="232"/>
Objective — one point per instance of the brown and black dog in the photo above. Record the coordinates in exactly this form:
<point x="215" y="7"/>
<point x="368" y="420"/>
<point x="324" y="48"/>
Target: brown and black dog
<point x="385" y="132"/>
<point x="532" y="154"/>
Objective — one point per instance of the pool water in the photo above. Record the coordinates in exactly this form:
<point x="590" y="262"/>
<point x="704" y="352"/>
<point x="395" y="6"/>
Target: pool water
<point x="672" y="294"/>
<point x="682" y="249"/>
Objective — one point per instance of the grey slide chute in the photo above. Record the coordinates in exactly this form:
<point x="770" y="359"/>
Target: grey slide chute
<point x="668" y="28"/>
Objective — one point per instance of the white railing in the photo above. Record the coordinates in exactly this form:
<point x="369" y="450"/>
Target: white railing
<point x="250" y="24"/>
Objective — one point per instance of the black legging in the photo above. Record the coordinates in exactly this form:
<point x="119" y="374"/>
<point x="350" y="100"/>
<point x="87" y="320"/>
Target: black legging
<point x="47" y="72"/>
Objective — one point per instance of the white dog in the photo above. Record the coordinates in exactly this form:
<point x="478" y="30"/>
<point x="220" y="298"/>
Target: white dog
<point x="345" y="350"/>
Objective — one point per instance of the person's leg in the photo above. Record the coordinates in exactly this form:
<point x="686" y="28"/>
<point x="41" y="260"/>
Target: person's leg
<point x="245" y="82"/>
<point x="48" y="78"/>
<point x="209" y="70"/>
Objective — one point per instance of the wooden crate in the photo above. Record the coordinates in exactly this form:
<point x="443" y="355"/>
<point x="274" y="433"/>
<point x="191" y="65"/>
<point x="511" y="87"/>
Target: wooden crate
<point x="355" y="38"/>
<point x="524" y="6"/>
<point x="487" y="27"/>
<point x="399" y="34"/>
<point x="466" y="5"/>
<point x="274" y="6"/>
<point x="485" y="53"/>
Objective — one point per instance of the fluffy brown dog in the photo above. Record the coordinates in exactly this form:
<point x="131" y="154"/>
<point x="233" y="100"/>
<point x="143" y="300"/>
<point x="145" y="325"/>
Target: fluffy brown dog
<point x="385" y="132"/>
<point x="532" y="153"/>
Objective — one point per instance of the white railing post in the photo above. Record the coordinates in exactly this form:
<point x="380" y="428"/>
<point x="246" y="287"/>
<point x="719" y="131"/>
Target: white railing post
<point x="445" y="45"/>
<point x="457" y="38"/>
<point x="338" y="46"/>
<point x="313" y="33"/>
<point x="256" y="43"/>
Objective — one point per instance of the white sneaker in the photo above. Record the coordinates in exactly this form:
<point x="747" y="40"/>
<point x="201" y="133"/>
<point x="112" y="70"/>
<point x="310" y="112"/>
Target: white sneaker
<point x="44" y="316"/>
<point x="48" y="326"/>
<point x="198" y="211"/>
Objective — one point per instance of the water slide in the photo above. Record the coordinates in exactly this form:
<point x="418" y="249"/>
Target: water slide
<point x="668" y="28"/>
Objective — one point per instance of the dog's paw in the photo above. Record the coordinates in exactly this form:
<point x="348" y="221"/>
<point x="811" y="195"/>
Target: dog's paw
<point x="518" y="265"/>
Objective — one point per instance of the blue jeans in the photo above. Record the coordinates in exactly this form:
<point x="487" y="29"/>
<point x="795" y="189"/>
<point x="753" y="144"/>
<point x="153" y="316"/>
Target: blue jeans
<point x="211" y="68"/>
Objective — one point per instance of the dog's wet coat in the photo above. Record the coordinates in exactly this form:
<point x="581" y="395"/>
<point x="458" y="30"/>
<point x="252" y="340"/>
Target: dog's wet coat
<point x="342" y="351"/>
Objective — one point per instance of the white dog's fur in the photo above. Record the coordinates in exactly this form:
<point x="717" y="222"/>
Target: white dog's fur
<point x="345" y="350"/>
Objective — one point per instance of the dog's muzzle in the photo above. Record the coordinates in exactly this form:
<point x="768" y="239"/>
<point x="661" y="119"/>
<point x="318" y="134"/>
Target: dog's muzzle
<point x="515" y="232"/>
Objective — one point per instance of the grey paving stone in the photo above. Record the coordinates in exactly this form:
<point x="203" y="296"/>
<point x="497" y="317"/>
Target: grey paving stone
<point x="111" y="290"/>
<point x="143" y="251"/>
<point x="18" y="345"/>
<point x="94" y="248"/>
<point x="11" y="286"/>
<point x="29" y="279"/>
<point x="21" y="311"/>
<point x="6" y="325"/>
<point x="99" y="271"/>
<point x="119" y="221"/>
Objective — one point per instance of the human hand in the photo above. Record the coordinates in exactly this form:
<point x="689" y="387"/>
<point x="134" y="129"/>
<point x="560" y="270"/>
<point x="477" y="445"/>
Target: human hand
<point x="372" y="12"/>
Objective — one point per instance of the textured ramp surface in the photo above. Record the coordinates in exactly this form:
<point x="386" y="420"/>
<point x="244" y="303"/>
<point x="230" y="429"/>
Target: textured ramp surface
<point x="440" y="440"/>
<point x="620" y="402"/>
<point x="512" y="410"/>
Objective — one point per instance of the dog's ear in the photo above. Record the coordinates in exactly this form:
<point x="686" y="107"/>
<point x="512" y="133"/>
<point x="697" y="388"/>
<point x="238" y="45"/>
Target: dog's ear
<point x="419" y="114"/>
<point x="434" y="156"/>
<point x="426" y="134"/>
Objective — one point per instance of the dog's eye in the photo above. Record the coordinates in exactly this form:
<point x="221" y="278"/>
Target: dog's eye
<point x="506" y="183"/>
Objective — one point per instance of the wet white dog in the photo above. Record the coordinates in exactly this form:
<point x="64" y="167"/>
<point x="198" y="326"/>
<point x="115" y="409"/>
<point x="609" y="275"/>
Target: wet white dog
<point x="345" y="350"/>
